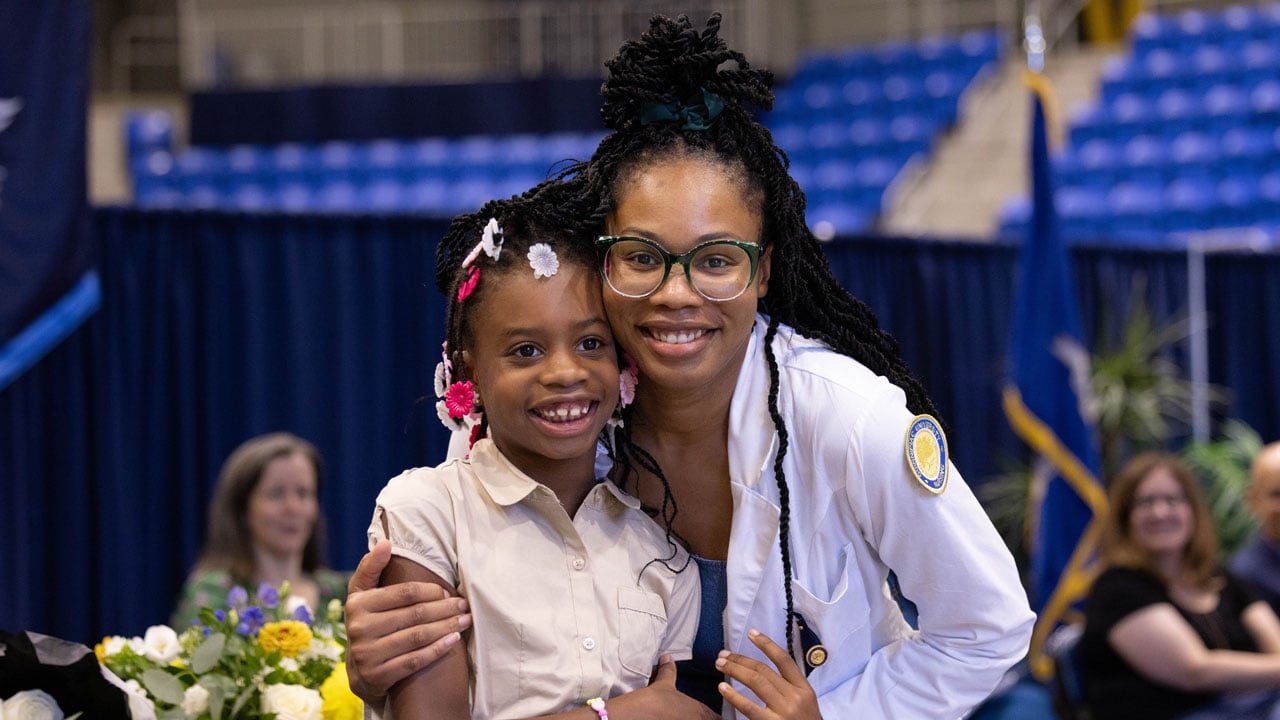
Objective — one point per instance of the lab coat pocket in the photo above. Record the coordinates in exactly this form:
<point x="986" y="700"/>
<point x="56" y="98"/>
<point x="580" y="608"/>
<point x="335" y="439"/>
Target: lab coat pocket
<point x="642" y="616"/>
<point x="836" y="609"/>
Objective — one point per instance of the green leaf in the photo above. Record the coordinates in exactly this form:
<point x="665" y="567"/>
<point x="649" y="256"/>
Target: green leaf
<point x="206" y="656"/>
<point x="163" y="686"/>
<point x="245" y="696"/>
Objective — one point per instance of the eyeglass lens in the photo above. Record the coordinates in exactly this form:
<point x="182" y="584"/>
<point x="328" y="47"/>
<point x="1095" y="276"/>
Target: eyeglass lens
<point x="717" y="271"/>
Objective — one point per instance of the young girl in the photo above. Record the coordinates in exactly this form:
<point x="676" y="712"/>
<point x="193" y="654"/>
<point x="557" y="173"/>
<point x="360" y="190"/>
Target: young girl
<point x="576" y="591"/>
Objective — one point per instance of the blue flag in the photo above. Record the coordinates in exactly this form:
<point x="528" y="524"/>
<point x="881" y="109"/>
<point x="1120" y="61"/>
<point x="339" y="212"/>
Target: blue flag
<point x="45" y="291"/>
<point x="1044" y="402"/>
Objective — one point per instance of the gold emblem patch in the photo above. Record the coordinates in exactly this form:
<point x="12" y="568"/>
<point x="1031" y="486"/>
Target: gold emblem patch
<point x="926" y="450"/>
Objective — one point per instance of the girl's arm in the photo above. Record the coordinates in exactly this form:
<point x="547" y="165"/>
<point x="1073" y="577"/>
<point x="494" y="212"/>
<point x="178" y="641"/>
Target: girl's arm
<point x="440" y="690"/>
<point x="1160" y="645"/>
<point x="394" y="631"/>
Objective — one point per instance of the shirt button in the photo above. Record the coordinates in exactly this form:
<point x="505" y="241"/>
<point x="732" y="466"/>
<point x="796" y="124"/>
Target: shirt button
<point x="579" y="563"/>
<point x="589" y="643"/>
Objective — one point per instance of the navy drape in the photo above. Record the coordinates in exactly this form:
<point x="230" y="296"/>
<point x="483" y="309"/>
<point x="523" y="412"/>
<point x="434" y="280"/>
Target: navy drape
<point x="216" y="327"/>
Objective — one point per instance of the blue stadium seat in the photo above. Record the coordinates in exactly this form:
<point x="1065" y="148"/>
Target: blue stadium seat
<point x="1083" y="210"/>
<point x="1163" y="69"/>
<point x="1238" y="196"/>
<point x="1258" y="61"/>
<point x="1152" y="31"/>
<point x="250" y="196"/>
<point x="1194" y="152"/>
<point x="294" y="163"/>
<point x="478" y="151"/>
<point x="1211" y="65"/>
<point x="829" y="221"/>
<point x="1136" y="210"/>
<point x="1100" y="158"/>
<point x="427" y="196"/>
<point x="1247" y="147"/>
<point x="146" y="131"/>
<point x="337" y="196"/>
<point x="1089" y="121"/>
<point x="1135" y="113"/>
<point x="389" y="161"/>
<point x="1190" y="205"/>
<point x="1178" y="111"/>
<point x="1120" y="75"/>
<point x="203" y="196"/>
<point x="384" y="196"/>
<point x="248" y="163"/>
<point x="295" y="197"/>
<point x="869" y="133"/>
<point x="1226" y="106"/>
<point x="1265" y="102"/>
<point x="862" y="96"/>
<point x="1144" y="159"/>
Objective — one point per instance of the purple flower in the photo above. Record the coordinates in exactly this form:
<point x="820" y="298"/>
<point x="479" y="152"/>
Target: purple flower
<point x="221" y="615"/>
<point x="253" y="618"/>
<point x="268" y="596"/>
<point x="243" y="628"/>
<point x="238" y="597"/>
<point x="206" y="631"/>
<point x="302" y="614"/>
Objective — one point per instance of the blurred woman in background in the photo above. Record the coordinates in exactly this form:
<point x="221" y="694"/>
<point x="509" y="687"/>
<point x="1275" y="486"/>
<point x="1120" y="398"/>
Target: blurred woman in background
<point x="265" y="526"/>
<point x="1168" y="633"/>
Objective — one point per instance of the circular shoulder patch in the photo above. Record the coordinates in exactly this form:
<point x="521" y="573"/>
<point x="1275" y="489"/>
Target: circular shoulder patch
<point x="926" y="449"/>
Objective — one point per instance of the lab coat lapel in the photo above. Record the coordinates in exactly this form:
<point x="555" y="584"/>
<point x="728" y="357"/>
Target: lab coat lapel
<point x="752" y="446"/>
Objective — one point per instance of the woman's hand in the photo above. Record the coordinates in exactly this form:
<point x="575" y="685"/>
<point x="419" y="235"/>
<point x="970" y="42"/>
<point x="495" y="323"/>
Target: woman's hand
<point x="785" y="691"/>
<point x="395" y="631"/>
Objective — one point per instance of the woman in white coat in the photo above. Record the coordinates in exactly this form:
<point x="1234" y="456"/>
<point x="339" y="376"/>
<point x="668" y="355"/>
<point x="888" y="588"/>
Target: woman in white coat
<point x="775" y="428"/>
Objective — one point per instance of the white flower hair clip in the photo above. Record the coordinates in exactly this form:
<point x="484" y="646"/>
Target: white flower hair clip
<point x="543" y="260"/>
<point x="490" y="243"/>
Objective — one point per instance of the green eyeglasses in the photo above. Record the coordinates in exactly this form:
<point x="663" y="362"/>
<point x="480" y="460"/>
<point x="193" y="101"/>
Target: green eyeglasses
<point x="719" y="270"/>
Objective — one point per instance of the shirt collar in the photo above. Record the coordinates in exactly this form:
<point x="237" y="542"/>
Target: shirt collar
<point x="508" y="485"/>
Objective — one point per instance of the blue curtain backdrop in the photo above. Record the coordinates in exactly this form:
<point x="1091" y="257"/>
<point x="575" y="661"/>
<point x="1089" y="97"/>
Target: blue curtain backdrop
<point x="215" y="327"/>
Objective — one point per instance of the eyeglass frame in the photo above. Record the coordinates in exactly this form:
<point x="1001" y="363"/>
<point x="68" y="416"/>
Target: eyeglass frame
<point x="605" y="242"/>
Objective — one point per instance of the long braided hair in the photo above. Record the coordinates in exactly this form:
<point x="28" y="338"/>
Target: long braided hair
<point x="676" y="65"/>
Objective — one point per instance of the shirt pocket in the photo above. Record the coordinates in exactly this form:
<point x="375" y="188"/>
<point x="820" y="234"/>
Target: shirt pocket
<point x="836" y="609"/>
<point x="642" y="618"/>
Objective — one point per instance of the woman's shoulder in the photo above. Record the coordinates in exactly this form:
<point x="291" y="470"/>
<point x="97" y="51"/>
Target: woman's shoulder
<point x="821" y="377"/>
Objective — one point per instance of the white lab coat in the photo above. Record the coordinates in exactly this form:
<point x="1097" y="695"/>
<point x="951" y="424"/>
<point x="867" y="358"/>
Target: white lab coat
<point x="856" y="511"/>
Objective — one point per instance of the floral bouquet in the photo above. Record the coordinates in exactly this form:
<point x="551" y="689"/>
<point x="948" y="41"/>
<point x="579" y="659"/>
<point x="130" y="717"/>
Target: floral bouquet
<point x="262" y="657"/>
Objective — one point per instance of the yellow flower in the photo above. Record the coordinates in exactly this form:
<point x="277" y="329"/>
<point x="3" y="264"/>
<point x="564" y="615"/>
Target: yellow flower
<point x="100" y="650"/>
<point x="290" y="637"/>
<point x="339" y="702"/>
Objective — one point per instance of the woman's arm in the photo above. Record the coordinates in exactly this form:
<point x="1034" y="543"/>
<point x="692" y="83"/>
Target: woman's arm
<point x="1261" y="622"/>
<point x="1161" y="645"/>
<point x="392" y="632"/>
<point x="438" y="691"/>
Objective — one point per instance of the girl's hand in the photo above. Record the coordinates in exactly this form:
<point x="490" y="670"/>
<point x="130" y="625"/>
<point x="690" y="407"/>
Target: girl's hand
<point x="660" y="700"/>
<point x="786" y="692"/>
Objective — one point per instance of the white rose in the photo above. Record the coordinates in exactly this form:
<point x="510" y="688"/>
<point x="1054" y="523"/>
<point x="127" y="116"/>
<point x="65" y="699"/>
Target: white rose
<point x="292" y="702"/>
<point x="289" y="664"/>
<point x="161" y="644"/>
<point x="113" y="645"/>
<point x="195" y="701"/>
<point x="137" y="645"/>
<point x="32" y="705"/>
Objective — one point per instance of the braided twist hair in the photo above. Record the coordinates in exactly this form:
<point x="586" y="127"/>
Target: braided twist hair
<point x="674" y="61"/>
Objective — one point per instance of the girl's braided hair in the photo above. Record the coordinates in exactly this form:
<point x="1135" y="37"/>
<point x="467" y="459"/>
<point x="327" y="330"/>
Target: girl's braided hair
<point x="552" y="213"/>
<point x="676" y="65"/>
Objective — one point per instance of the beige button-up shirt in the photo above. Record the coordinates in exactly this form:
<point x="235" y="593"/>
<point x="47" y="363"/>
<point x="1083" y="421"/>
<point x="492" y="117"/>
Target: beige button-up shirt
<point x="566" y="609"/>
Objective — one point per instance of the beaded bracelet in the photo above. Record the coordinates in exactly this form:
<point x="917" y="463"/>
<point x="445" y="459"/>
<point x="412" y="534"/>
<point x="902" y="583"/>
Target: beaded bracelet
<point x="597" y="704"/>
